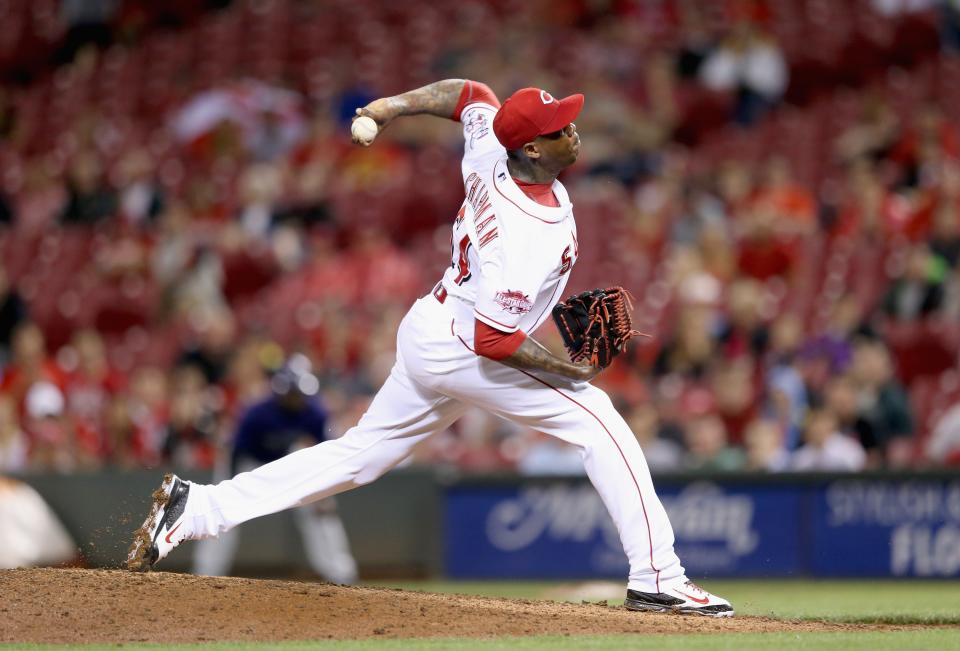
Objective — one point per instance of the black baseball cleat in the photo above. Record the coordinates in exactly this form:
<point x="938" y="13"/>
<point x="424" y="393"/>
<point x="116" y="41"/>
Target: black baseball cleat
<point x="687" y="599"/>
<point x="163" y="528"/>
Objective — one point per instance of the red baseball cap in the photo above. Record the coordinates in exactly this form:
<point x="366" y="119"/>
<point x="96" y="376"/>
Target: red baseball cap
<point x="532" y="112"/>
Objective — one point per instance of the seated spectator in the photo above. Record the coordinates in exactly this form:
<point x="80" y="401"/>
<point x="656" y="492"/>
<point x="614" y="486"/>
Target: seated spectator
<point x="786" y="393"/>
<point x="945" y="233"/>
<point x="308" y="201"/>
<point x="13" y="440"/>
<point x="919" y="291"/>
<point x="763" y="254"/>
<point x="874" y="133"/>
<point x="841" y="398"/>
<point x="90" y="386"/>
<point x="696" y="44"/>
<point x="717" y="253"/>
<point x="193" y="428"/>
<point x="929" y="134"/>
<point x="884" y="407"/>
<point x="148" y="408"/>
<point x="943" y="446"/>
<point x="735" y="395"/>
<point x="662" y="454"/>
<point x="867" y="208"/>
<point x="765" y="450"/>
<point x="825" y="449"/>
<point x="700" y="210"/>
<point x="950" y="26"/>
<point x="691" y="350"/>
<point x="783" y="195"/>
<point x="89" y="199"/>
<point x="87" y="24"/>
<point x="706" y="441"/>
<point x="141" y="198"/>
<point x="260" y="189"/>
<point x="52" y="442"/>
<point x="743" y="332"/>
<point x="8" y="121"/>
<point x="29" y="363"/>
<point x="7" y="215"/>
<point x="846" y="321"/>
<point x="119" y="434"/>
<point x="950" y="312"/>
<point x="215" y="332"/>
<point x="735" y="185"/>
<point x="13" y="311"/>
<point x="750" y="63"/>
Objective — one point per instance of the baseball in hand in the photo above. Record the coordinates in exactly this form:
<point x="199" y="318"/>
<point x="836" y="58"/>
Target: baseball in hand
<point x="364" y="129"/>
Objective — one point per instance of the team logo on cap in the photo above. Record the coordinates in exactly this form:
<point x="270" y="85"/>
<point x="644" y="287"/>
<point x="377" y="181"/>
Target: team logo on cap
<point x="546" y="97"/>
<point x="514" y="301"/>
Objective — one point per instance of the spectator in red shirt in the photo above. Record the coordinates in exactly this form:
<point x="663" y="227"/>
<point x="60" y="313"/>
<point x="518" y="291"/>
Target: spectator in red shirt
<point x="735" y="396"/>
<point x="930" y="136"/>
<point x="763" y="255"/>
<point x="781" y="194"/>
<point x="90" y="387"/>
<point x="52" y="443"/>
<point x="29" y="363"/>
<point x="869" y="209"/>
<point x="148" y="407"/>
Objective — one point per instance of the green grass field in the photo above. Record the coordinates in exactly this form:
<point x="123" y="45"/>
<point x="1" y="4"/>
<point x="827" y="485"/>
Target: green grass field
<point x="926" y="605"/>
<point x="891" y="602"/>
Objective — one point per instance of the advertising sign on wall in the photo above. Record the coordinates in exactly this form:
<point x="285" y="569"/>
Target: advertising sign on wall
<point x="843" y="527"/>
<point x="876" y="528"/>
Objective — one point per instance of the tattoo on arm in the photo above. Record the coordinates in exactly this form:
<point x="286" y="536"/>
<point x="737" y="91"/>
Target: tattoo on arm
<point x="532" y="356"/>
<point x="438" y="98"/>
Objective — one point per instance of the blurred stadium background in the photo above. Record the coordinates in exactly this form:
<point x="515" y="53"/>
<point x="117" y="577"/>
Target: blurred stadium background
<point x="776" y="181"/>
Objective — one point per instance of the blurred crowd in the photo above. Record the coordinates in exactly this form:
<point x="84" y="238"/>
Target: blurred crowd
<point x="172" y="231"/>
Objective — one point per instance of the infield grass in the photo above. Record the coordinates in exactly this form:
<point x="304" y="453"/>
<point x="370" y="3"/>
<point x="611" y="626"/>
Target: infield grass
<point x="863" y="602"/>
<point x="872" y="641"/>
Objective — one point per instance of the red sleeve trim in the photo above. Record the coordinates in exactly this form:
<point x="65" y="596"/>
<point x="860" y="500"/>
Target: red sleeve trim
<point x="495" y="344"/>
<point x="474" y="92"/>
<point x="503" y="326"/>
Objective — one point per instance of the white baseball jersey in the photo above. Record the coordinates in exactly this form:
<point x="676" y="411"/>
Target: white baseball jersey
<point x="511" y="256"/>
<point x="511" y="259"/>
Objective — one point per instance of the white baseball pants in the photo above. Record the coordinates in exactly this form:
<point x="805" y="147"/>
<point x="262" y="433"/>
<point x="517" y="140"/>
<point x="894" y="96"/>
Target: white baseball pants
<point x="324" y="542"/>
<point x="436" y="377"/>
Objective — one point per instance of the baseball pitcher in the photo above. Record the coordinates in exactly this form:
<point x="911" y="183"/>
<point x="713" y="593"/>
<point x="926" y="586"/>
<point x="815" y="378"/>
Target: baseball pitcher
<point x="468" y="343"/>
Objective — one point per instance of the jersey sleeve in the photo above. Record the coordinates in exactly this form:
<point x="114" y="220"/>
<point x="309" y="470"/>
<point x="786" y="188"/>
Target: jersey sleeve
<point x="476" y="110"/>
<point x="474" y="92"/>
<point x="493" y="343"/>
<point x="508" y="287"/>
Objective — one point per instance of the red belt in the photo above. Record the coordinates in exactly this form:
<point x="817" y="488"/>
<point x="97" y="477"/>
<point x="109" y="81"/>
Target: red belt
<point x="440" y="293"/>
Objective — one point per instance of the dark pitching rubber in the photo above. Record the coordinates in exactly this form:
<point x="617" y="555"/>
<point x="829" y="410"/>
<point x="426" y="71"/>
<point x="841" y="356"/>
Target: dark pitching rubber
<point x="664" y="603"/>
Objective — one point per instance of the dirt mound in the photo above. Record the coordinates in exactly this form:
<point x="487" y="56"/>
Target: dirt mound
<point x="86" y="606"/>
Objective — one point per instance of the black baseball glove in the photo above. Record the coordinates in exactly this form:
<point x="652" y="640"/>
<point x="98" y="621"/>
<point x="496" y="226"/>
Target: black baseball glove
<point x="595" y="325"/>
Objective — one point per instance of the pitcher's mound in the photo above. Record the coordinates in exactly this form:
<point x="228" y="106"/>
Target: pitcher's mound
<point x="86" y="606"/>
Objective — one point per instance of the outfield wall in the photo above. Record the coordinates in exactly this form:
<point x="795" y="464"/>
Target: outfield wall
<point x="423" y="523"/>
<point x="725" y="526"/>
